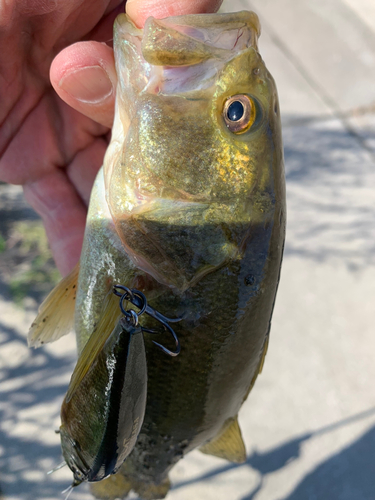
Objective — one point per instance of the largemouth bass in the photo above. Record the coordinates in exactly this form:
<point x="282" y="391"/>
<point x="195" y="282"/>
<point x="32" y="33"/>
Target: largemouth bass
<point x="189" y="209"/>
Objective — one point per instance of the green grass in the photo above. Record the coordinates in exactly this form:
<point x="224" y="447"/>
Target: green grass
<point x="2" y="244"/>
<point x="36" y="273"/>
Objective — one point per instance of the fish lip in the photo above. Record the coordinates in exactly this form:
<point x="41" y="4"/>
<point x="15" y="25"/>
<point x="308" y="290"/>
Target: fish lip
<point x="241" y="19"/>
<point x="201" y="47"/>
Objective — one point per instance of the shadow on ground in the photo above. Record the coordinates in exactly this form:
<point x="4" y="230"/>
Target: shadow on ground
<point x="330" y="200"/>
<point x="347" y="475"/>
<point x="32" y="388"/>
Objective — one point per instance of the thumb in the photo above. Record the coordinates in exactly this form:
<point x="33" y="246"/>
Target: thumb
<point x="84" y="76"/>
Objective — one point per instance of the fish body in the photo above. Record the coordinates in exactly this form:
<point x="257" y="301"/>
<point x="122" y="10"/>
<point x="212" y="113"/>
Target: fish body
<point x="189" y="208"/>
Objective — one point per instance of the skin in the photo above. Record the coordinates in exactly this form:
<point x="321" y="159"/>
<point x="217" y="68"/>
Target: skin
<point x="50" y="149"/>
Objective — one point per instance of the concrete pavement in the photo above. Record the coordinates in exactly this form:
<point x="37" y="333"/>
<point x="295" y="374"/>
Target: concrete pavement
<point x="309" y="423"/>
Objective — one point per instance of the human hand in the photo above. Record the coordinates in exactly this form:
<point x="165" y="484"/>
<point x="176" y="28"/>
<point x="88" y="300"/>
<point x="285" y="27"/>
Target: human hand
<point x="50" y="149"/>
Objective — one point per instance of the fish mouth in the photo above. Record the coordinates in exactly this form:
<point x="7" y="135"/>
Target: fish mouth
<point x="180" y="242"/>
<point x="185" y="47"/>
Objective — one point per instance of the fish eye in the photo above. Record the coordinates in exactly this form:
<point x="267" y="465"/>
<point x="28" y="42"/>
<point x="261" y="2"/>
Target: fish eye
<point x="235" y="111"/>
<point x="239" y="113"/>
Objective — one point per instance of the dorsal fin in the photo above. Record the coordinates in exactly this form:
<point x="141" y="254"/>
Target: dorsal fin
<point x="228" y="444"/>
<point x="56" y="314"/>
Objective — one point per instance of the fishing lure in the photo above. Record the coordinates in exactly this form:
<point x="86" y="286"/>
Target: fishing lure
<point x="104" y="408"/>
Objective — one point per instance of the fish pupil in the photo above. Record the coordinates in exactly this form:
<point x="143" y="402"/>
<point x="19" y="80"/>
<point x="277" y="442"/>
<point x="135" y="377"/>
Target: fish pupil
<point x="235" y="111"/>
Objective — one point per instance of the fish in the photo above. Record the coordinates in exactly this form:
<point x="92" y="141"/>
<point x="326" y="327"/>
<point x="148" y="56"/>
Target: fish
<point x="189" y="209"/>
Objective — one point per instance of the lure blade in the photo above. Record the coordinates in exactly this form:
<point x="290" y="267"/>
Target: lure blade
<point x="103" y="414"/>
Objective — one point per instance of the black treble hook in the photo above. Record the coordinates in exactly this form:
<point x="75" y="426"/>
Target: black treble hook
<point x="138" y="300"/>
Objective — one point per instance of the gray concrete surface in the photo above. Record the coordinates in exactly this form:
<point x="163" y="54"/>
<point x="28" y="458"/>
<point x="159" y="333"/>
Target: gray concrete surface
<point x="309" y="424"/>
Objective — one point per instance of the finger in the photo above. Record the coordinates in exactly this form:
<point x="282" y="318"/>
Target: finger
<point x="103" y="31"/>
<point x="50" y="137"/>
<point x="140" y="10"/>
<point x="84" y="76"/>
<point x="63" y="214"/>
<point x="56" y="154"/>
<point x="85" y="165"/>
<point x="113" y="6"/>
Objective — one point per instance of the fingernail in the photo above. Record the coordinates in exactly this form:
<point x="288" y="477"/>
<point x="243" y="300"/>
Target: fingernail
<point x="90" y="84"/>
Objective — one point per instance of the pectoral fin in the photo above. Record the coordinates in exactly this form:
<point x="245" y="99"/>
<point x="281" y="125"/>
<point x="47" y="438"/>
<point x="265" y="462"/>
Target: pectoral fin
<point x="228" y="444"/>
<point x="110" y="316"/>
<point x="56" y="314"/>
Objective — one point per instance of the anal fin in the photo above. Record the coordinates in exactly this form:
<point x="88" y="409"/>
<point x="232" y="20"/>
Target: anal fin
<point x="148" y="491"/>
<point x="111" y="488"/>
<point x="56" y="314"/>
<point x="228" y="444"/>
<point x="118" y="486"/>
